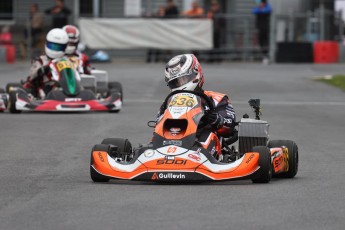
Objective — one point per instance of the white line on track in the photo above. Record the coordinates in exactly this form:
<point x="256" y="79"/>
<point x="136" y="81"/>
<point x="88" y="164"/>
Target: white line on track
<point x="285" y="103"/>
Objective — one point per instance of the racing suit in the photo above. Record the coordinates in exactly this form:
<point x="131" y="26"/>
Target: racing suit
<point x="81" y="62"/>
<point x="225" y="111"/>
<point x="39" y="75"/>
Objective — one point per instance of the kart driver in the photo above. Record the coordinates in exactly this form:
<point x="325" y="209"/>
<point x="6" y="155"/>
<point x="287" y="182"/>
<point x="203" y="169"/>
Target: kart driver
<point x="80" y="59"/>
<point x="37" y="82"/>
<point x="184" y="72"/>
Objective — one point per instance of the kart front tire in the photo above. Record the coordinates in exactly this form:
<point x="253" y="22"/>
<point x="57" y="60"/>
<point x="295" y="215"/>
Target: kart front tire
<point x="114" y="111"/>
<point x="96" y="176"/>
<point x="264" y="174"/>
<point x="9" y="86"/>
<point x="12" y="102"/>
<point x="123" y="145"/>
<point x="116" y="86"/>
<point x="293" y="156"/>
<point x="3" y="91"/>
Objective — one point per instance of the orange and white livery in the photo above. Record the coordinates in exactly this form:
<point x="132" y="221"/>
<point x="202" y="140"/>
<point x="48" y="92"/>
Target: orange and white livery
<point x="176" y="155"/>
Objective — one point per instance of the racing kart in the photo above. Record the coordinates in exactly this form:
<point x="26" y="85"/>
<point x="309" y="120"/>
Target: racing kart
<point x="65" y="95"/>
<point x="176" y="155"/>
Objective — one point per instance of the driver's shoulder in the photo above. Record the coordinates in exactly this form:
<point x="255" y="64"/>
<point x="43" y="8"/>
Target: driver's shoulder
<point x="215" y="95"/>
<point x="42" y="59"/>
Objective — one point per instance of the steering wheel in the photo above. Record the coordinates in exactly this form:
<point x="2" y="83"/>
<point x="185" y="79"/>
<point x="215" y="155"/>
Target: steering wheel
<point x="208" y="100"/>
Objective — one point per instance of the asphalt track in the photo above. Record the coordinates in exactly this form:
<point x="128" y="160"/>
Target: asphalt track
<point x="44" y="158"/>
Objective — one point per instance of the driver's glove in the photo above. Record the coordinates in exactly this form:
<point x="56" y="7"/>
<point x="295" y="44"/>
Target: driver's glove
<point x="214" y="119"/>
<point x="43" y="71"/>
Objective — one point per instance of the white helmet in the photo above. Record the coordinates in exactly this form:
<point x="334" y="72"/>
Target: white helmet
<point x="73" y="38"/>
<point x="56" y="43"/>
<point x="184" y="72"/>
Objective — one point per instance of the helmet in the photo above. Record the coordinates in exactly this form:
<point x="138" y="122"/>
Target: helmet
<point x="73" y="38"/>
<point x="184" y="72"/>
<point x="56" y="43"/>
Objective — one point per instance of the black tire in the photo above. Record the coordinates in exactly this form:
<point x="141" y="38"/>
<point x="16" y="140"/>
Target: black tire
<point x="264" y="174"/>
<point x="3" y="91"/>
<point x="96" y="176"/>
<point x="117" y="87"/>
<point x="293" y="156"/>
<point x="12" y="102"/>
<point x="114" y="111"/>
<point x="123" y="145"/>
<point x="92" y="88"/>
<point x="14" y="85"/>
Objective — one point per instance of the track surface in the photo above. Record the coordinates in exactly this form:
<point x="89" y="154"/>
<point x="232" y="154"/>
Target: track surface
<point x="44" y="173"/>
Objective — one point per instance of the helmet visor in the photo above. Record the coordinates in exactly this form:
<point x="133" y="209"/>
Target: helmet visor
<point x="180" y="81"/>
<point x="56" y="46"/>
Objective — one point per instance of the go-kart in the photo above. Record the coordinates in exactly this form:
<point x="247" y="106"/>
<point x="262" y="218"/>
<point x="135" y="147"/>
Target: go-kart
<point x="65" y="95"/>
<point x="176" y="155"/>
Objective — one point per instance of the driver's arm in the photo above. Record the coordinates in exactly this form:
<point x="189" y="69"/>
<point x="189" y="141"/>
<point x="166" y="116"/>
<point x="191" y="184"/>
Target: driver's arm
<point x="37" y="69"/>
<point x="225" y="109"/>
<point x="160" y="112"/>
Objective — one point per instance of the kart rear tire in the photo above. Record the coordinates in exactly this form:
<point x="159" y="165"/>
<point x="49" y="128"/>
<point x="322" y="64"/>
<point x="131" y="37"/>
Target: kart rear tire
<point x="96" y="176"/>
<point x="10" y="85"/>
<point x="293" y="156"/>
<point x="117" y="87"/>
<point x="123" y="145"/>
<point x="264" y="174"/>
<point x="12" y="102"/>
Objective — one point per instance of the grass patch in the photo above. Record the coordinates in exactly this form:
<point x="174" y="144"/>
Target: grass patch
<point x="336" y="80"/>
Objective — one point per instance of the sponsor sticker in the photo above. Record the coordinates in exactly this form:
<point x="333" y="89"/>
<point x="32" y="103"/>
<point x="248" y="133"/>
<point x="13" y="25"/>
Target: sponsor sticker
<point x="250" y="158"/>
<point x="149" y="153"/>
<point x="157" y="176"/>
<point x="194" y="157"/>
<point x="63" y="65"/>
<point x="182" y="101"/>
<point x="171" y="149"/>
<point x="172" y="142"/>
<point x="100" y="156"/>
<point x="171" y="162"/>
<point x="73" y="99"/>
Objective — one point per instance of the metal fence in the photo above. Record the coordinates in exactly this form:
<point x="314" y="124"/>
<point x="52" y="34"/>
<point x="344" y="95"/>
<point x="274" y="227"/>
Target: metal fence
<point x="314" y="26"/>
<point x="237" y="37"/>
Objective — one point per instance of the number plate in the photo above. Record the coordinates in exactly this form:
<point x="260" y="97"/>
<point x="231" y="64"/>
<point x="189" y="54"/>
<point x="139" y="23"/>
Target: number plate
<point x="183" y="101"/>
<point x="63" y="65"/>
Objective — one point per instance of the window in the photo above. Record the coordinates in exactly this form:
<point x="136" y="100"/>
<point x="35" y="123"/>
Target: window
<point x="6" y="9"/>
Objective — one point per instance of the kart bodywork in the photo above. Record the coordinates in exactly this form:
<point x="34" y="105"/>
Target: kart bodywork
<point x="175" y="153"/>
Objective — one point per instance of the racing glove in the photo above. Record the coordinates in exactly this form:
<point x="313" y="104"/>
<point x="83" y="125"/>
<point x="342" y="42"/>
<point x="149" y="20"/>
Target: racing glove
<point x="215" y="119"/>
<point x="43" y="71"/>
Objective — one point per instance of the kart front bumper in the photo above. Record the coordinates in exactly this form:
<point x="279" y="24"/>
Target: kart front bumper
<point x="189" y="169"/>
